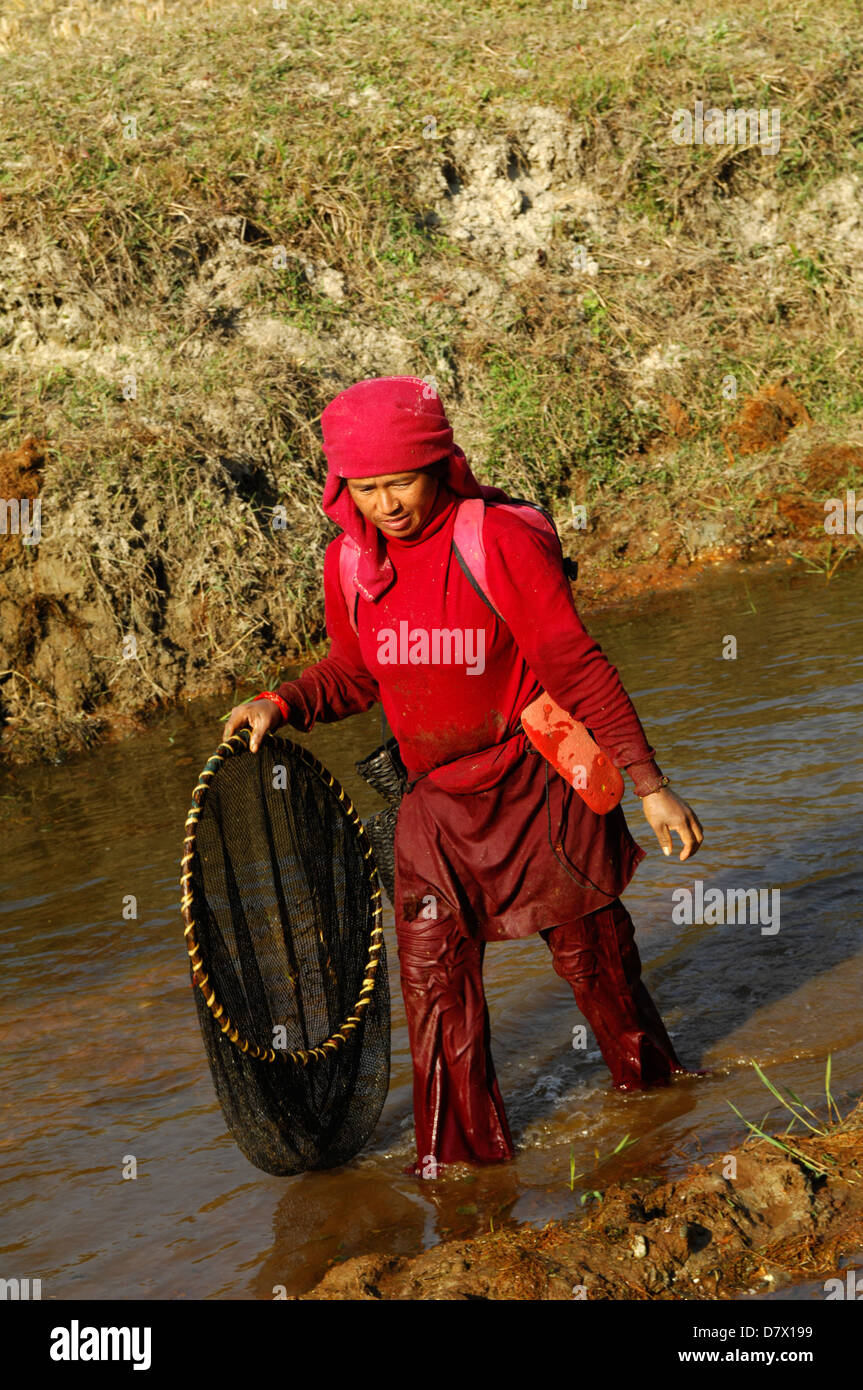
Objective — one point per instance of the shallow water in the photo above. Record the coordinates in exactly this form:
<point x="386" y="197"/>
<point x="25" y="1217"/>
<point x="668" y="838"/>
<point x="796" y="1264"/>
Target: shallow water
<point x="102" y="1059"/>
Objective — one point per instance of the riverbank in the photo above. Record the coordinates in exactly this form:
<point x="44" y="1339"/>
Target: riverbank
<point x="751" y="1221"/>
<point x="74" y="675"/>
<point x="226" y="214"/>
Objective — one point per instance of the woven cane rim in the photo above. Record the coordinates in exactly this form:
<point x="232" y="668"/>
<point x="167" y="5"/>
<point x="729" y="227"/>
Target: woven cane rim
<point x="237" y="744"/>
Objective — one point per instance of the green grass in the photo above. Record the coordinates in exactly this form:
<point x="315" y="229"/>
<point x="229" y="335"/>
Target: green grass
<point x="625" y="1143"/>
<point x="799" y="1111"/>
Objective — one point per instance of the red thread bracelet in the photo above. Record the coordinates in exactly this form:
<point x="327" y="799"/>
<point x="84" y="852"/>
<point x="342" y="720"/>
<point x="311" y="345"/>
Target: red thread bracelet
<point x="277" y="700"/>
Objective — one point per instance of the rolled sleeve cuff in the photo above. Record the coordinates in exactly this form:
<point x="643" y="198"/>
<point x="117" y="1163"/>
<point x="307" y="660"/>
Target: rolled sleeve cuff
<point x="646" y="776"/>
<point x="298" y="716"/>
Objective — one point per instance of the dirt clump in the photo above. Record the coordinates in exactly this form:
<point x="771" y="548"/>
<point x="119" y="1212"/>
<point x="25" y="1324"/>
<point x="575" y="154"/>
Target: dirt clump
<point x="20" y="484"/>
<point x="800" y="505"/>
<point x="499" y="191"/>
<point x="800" y="514"/>
<point x="19" y="468"/>
<point x="830" y="463"/>
<point x="765" y="420"/>
<point x="677" y="416"/>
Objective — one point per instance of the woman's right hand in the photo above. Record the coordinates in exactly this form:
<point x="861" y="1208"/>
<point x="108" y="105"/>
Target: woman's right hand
<point x="261" y="716"/>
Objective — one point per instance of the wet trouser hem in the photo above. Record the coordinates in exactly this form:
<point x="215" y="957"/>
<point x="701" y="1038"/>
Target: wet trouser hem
<point x="459" y="1115"/>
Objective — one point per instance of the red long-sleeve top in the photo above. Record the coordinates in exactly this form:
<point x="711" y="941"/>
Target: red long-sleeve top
<point x="455" y="722"/>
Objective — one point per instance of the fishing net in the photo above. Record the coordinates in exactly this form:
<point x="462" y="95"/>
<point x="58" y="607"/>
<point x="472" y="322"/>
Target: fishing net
<point x="282" y="913"/>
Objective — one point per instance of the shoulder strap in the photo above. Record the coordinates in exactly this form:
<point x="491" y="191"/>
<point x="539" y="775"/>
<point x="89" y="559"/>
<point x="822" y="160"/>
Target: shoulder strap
<point x="349" y="560"/>
<point x="468" y="541"/>
<point x="468" y="546"/>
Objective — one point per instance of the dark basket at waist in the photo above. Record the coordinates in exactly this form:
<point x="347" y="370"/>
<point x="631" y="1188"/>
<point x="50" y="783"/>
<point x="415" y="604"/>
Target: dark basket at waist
<point x="385" y="772"/>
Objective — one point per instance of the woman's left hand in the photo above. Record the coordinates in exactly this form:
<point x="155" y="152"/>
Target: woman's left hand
<point x="666" y="812"/>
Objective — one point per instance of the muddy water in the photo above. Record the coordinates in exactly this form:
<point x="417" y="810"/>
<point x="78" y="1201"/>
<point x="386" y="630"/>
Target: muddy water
<point x="101" y="1057"/>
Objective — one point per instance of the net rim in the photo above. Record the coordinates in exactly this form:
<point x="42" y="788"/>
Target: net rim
<point x="237" y="744"/>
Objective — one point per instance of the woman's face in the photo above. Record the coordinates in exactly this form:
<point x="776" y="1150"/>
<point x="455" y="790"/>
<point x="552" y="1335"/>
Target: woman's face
<point x="397" y="503"/>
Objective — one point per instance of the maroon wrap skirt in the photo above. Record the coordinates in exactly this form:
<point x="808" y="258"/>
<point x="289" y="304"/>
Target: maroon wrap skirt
<point x="489" y="859"/>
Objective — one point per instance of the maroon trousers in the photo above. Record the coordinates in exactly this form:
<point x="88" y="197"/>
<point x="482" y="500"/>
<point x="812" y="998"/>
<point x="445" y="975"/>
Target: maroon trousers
<point x="458" y="1110"/>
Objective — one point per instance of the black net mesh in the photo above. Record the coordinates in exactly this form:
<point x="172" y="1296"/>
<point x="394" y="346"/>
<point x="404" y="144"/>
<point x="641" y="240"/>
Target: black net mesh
<point x="283" y="912"/>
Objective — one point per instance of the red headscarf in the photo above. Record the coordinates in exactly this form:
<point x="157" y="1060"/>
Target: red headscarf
<point x="389" y="424"/>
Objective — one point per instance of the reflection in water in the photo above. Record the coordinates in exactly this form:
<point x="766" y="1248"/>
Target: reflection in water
<point x="102" y="1058"/>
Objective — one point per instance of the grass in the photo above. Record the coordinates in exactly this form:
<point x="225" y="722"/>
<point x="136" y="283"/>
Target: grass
<point x="624" y="1143"/>
<point x="799" y="1112"/>
<point x="309" y="129"/>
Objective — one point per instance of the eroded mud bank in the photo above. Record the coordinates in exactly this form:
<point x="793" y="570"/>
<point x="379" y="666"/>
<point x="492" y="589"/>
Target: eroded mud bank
<point x="706" y="1236"/>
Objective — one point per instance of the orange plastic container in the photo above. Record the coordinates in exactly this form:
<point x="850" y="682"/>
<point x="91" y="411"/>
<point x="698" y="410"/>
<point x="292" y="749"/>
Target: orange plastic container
<point x="567" y="745"/>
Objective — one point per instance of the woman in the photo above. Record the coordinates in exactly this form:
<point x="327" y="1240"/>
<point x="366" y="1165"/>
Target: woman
<point x="476" y="856"/>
